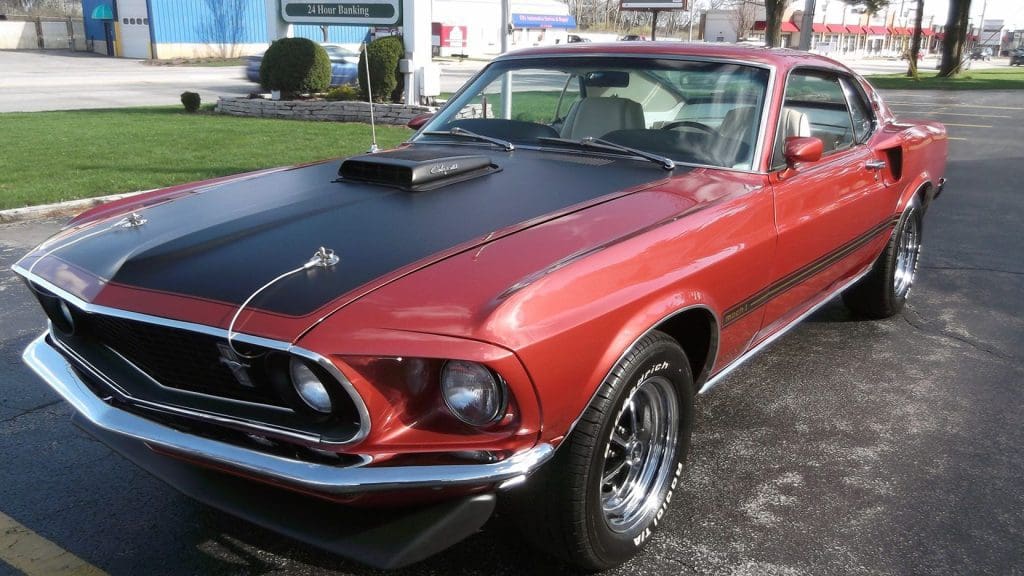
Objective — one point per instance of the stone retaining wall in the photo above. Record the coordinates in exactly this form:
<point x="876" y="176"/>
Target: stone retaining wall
<point x="338" y="111"/>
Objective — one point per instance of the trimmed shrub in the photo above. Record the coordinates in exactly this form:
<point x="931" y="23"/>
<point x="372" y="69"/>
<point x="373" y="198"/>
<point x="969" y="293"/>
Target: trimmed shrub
<point x="347" y="92"/>
<point x="295" y="66"/>
<point x="191" y="101"/>
<point x="386" y="81"/>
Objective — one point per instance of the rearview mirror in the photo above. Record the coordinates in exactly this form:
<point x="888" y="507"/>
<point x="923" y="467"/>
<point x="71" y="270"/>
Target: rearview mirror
<point x="799" y="150"/>
<point x="606" y="79"/>
<point x="418" y="121"/>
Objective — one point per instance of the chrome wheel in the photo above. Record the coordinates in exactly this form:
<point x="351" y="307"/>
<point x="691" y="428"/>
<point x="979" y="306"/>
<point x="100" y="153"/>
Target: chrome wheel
<point x="906" y="256"/>
<point x="639" y="455"/>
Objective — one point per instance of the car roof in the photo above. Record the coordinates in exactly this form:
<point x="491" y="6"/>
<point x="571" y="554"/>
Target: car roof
<point x="781" y="58"/>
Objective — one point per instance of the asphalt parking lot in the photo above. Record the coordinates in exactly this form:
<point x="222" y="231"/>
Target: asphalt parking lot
<point x="35" y="80"/>
<point x="847" y="447"/>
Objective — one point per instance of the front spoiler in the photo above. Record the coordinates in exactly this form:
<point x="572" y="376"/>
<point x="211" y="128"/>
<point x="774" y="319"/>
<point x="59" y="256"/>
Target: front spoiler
<point x="47" y="362"/>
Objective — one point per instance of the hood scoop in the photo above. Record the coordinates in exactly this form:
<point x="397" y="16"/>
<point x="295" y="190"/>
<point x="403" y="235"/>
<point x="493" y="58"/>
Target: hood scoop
<point x="414" y="174"/>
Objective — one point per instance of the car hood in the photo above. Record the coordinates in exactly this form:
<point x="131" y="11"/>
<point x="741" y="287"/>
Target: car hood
<point x="224" y="242"/>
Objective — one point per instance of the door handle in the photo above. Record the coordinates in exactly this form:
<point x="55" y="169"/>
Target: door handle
<point x="875" y="164"/>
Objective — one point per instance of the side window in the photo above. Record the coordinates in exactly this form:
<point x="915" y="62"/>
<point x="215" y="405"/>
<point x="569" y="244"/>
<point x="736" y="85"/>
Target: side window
<point x="817" y="96"/>
<point x="860" y="111"/>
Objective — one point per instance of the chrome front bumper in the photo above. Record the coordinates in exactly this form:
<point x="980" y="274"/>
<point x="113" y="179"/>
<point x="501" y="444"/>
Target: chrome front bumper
<point x="46" y="361"/>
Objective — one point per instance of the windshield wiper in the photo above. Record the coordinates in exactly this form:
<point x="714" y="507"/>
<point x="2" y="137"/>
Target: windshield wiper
<point x="461" y="132"/>
<point x="589" y="142"/>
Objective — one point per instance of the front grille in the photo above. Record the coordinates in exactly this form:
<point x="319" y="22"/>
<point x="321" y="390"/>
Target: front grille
<point x="182" y="359"/>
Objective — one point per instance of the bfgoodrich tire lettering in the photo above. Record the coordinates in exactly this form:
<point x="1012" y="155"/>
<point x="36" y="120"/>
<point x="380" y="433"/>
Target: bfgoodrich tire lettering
<point x="599" y="500"/>
<point x="883" y="292"/>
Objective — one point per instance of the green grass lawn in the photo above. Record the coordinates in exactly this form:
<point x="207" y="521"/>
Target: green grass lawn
<point x="54" y="156"/>
<point x="988" y="79"/>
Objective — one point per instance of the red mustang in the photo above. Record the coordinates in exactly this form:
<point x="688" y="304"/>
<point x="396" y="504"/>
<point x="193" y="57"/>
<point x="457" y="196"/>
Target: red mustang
<point x="521" y="301"/>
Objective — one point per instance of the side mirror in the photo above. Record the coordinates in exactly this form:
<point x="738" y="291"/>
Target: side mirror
<point x="418" y="121"/>
<point x="799" y="150"/>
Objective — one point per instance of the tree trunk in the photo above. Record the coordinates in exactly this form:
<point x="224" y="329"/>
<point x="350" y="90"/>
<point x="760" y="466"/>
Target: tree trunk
<point x="774" y="11"/>
<point x="956" y="38"/>
<point x="915" y="42"/>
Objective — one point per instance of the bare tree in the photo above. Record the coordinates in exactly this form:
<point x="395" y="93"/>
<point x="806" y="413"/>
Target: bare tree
<point x="955" y="41"/>
<point x="915" y="43"/>
<point x="225" y="26"/>
<point x="774" y="11"/>
<point x="61" y="8"/>
<point x="744" y="14"/>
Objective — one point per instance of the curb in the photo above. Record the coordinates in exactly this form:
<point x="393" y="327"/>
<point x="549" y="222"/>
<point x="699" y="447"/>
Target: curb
<point x="68" y="208"/>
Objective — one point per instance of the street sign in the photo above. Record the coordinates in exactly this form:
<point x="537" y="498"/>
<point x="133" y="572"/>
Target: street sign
<point x="362" y="13"/>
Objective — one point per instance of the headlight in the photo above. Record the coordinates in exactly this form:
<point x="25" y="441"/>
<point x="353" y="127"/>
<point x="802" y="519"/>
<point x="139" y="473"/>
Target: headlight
<point x="309" y="387"/>
<point x="472" y="392"/>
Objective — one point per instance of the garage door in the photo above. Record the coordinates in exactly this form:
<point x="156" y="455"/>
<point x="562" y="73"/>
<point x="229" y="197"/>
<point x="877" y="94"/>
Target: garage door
<point x="133" y="22"/>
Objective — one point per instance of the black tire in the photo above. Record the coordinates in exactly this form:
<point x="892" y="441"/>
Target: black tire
<point x="561" y="508"/>
<point x="878" y="295"/>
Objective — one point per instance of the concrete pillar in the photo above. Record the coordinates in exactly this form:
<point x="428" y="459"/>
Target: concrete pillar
<point x="276" y="27"/>
<point x="416" y="19"/>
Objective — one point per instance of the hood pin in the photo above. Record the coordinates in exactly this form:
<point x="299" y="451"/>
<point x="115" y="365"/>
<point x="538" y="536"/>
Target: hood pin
<point x="133" y="220"/>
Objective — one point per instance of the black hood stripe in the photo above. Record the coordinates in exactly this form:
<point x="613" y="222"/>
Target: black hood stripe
<point x="228" y="241"/>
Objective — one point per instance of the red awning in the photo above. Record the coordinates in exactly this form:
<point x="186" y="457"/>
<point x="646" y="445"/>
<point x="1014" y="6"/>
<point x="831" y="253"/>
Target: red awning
<point x="856" y="29"/>
<point x="927" y="32"/>
<point x="836" y="28"/>
<point x="905" y="31"/>
<point x="881" y="30"/>
<point x="819" y="28"/>
<point x="761" y="25"/>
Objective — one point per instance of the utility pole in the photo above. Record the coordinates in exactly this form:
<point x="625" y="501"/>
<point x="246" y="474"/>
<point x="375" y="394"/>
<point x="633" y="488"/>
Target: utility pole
<point x="506" y="80"/>
<point x="981" y="25"/>
<point x="807" y="25"/>
<point x="693" y="12"/>
<point x="654" y="24"/>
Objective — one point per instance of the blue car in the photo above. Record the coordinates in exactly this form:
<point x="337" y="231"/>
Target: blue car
<point x="344" y="64"/>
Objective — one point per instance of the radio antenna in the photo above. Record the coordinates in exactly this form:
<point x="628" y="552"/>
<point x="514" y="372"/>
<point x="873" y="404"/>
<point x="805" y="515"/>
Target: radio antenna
<point x="369" y="98"/>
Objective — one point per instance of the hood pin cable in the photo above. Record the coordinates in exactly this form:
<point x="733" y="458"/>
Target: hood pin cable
<point x="322" y="258"/>
<point x="133" y="220"/>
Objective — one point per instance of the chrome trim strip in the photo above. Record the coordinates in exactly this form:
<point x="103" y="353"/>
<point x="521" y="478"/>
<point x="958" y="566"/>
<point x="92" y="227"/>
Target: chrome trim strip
<point x="717" y="378"/>
<point x="52" y="367"/>
<point x="357" y="400"/>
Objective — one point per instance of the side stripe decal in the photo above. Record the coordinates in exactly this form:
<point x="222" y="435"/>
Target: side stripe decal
<point x="763" y="296"/>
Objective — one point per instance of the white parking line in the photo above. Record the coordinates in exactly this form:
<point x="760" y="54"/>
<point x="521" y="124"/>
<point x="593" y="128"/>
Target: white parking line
<point x="968" y="125"/>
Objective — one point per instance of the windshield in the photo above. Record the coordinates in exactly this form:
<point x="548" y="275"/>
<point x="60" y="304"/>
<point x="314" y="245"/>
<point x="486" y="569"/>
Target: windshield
<point x="692" y="112"/>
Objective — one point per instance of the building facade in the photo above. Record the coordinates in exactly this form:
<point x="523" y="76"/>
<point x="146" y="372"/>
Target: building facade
<point x="228" y="28"/>
<point x="192" y="28"/>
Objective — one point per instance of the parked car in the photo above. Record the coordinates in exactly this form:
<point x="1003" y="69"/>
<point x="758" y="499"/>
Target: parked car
<point x="984" y="54"/>
<point x="365" y="355"/>
<point x="1017" y="57"/>
<point x="632" y="38"/>
<point x="572" y="38"/>
<point x="344" y="64"/>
